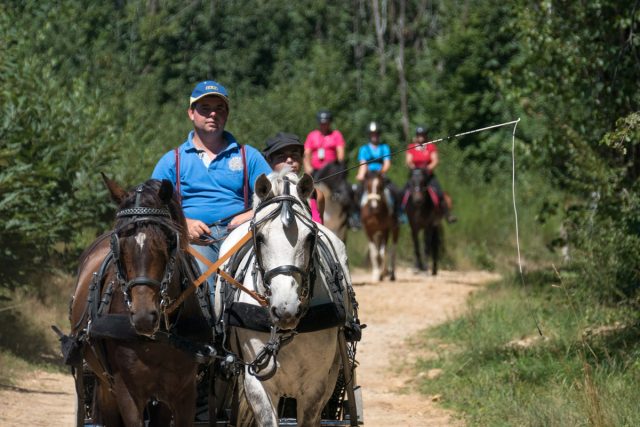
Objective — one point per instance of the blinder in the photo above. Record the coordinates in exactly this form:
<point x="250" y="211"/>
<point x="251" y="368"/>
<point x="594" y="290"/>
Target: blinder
<point x="145" y="215"/>
<point x="287" y="215"/>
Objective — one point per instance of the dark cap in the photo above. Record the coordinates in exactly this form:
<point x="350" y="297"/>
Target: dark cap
<point x="324" y="116"/>
<point x="421" y="130"/>
<point x="281" y="140"/>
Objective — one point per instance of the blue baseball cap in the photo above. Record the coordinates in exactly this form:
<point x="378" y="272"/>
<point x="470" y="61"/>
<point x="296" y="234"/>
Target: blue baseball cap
<point x="209" y="88"/>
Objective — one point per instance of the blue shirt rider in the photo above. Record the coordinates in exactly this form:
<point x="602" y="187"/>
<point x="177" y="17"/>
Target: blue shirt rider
<point x="211" y="177"/>
<point x="375" y="157"/>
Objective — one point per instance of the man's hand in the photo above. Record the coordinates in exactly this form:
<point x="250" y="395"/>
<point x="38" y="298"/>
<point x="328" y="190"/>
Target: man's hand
<point x="240" y="219"/>
<point x="196" y="228"/>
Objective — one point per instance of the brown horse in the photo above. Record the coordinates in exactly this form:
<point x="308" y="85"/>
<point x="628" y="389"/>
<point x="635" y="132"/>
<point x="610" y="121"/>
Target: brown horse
<point x="425" y="216"/>
<point x="338" y="198"/>
<point x="379" y="222"/>
<point x="121" y="313"/>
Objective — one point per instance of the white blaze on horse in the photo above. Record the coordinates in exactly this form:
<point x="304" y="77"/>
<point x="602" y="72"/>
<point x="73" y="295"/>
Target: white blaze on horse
<point x="379" y="223"/>
<point x="283" y="266"/>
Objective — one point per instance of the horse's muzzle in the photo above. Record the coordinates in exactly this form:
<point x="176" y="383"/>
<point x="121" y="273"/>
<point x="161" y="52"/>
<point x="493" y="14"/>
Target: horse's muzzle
<point x="145" y="322"/>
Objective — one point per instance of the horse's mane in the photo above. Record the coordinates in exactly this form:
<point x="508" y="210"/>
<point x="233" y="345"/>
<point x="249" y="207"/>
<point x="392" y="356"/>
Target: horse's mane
<point x="331" y="175"/>
<point x="148" y="198"/>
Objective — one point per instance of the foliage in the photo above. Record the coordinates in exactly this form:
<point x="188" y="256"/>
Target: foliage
<point x="498" y="371"/>
<point x="112" y="79"/>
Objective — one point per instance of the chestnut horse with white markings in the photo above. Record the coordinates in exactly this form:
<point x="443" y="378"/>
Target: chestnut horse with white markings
<point x="380" y="223"/>
<point x="137" y="347"/>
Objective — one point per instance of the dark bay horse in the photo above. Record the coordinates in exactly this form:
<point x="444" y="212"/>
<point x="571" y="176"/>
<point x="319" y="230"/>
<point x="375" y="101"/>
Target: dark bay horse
<point x="338" y="199"/>
<point x="141" y="342"/>
<point x="425" y="215"/>
<point x="379" y="222"/>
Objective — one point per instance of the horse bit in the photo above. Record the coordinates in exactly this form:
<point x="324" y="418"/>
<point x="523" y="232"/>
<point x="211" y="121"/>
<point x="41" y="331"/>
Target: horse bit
<point x="141" y="214"/>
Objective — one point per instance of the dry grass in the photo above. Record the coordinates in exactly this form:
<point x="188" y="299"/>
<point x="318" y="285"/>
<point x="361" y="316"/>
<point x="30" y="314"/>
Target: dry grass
<point x="26" y="339"/>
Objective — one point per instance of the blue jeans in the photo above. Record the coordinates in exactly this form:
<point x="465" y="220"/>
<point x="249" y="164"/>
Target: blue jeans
<point x="212" y="253"/>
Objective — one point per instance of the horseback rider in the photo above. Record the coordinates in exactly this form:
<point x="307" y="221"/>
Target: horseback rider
<point x="423" y="156"/>
<point x="375" y="157"/>
<point x="214" y="175"/>
<point x="286" y="150"/>
<point x="323" y="146"/>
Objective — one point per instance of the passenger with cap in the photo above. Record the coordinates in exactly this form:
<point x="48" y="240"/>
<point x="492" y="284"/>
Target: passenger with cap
<point x="323" y="146"/>
<point x="213" y="174"/>
<point x="424" y="156"/>
<point x="285" y="151"/>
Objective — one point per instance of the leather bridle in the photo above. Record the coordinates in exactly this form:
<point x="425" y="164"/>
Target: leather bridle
<point x="146" y="215"/>
<point x="286" y="203"/>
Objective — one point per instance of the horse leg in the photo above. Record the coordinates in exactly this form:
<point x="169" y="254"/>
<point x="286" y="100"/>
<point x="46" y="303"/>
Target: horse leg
<point x="383" y="258"/>
<point x="392" y="253"/>
<point x="427" y="245"/>
<point x="130" y="409"/>
<point x="184" y="408"/>
<point x="105" y="406"/>
<point x="373" y="256"/>
<point x="261" y="405"/>
<point x="159" y="415"/>
<point x="415" y="237"/>
<point x="435" y="248"/>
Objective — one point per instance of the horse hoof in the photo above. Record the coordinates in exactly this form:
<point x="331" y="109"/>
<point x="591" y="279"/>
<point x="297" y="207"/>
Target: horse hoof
<point x="392" y="278"/>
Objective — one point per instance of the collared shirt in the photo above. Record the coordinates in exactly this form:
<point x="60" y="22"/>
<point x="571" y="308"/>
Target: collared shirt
<point x="217" y="191"/>
<point x="324" y="148"/>
<point x="368" y="152"/>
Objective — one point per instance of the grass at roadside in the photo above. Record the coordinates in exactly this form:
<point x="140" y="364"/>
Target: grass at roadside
<point x="26" y="339"/>
<point x="497" y="370"/>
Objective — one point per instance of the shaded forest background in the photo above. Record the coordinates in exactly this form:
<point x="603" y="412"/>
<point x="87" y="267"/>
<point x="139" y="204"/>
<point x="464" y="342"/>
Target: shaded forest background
<point x="99" y="86"/>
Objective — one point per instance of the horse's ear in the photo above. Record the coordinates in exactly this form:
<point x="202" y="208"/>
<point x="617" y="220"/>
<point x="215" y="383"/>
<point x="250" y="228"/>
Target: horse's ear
<point x="305" y="186"/>
<point x="116" y="192"/>
<point x="166" y="191"/>
<point x="262" y="187"/>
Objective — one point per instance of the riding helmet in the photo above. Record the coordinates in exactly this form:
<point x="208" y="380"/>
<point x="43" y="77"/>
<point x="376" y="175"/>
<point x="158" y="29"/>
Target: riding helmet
<point x="421" y="130"/>
<point x="324" y="116"/>
<point x="373" y="127"/>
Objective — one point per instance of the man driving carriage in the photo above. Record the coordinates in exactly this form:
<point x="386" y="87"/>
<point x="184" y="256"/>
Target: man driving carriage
<point x="423" y="156"/>
<point x="213" y="174"/>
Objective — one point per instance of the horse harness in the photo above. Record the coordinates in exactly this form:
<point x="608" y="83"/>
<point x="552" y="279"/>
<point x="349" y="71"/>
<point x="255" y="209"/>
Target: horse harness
<point x="101" y="324"/>
<point x="256" y="317"/>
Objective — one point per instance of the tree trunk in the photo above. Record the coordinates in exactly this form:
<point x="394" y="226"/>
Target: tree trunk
<point x="402" y="79"/>
<point x="381" y="27"/>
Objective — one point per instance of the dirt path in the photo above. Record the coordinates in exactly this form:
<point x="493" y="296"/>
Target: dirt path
<point x="394" y="312"/>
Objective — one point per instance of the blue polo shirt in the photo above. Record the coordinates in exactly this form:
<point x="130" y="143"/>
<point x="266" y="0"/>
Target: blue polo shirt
<point x="213" y="193"/>
<point x="369" y="152"/>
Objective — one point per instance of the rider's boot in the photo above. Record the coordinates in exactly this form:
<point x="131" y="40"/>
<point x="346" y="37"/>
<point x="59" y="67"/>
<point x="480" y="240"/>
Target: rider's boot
<point x="447" y="204"/>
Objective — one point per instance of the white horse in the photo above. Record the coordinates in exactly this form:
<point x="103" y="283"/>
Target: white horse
<point x="284" y="262"/>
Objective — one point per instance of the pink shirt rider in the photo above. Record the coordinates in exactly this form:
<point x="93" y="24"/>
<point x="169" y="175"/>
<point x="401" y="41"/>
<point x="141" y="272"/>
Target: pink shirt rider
<point x="323" y="147"/>
<point x="315" y="212"/>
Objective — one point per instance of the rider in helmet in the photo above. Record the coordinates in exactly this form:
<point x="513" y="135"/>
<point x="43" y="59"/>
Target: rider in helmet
<point x="375" y="157"/>
<point x="421" y="155"/>
<point x="323" y="146"/>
